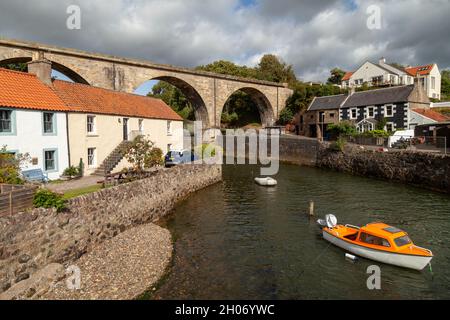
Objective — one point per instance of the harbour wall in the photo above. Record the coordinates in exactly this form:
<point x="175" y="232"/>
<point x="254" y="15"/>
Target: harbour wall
<point x="32" y="240"/>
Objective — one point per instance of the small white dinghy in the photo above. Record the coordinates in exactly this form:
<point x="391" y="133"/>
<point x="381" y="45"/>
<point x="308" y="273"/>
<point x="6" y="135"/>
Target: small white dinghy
<point x="267" y="182"/>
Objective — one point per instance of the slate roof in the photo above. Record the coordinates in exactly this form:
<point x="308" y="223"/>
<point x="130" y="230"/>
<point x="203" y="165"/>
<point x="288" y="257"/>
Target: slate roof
<point x="327" y="103"/>
<point x="433" y="115"/>
<point x="379" y="96"/>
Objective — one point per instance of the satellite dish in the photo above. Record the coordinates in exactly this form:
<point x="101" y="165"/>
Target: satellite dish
<point x="331" y="221"/>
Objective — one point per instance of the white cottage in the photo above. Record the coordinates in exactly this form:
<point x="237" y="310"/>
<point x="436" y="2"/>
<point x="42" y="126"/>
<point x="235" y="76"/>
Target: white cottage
<point x="33" y="120"/>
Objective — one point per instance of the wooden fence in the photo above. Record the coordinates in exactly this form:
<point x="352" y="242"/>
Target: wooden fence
<point x="15" y="198"/>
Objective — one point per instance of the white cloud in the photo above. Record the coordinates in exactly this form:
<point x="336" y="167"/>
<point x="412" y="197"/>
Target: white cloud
<point x="314" y="36"/>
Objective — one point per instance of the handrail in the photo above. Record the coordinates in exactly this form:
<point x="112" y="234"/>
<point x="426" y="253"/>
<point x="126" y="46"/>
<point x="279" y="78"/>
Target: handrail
<point x="352" y="226"/>
<point x="427" y="250"/>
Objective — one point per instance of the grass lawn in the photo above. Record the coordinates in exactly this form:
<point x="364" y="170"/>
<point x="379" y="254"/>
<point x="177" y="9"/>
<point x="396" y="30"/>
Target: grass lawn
<point x="79" y="192"/>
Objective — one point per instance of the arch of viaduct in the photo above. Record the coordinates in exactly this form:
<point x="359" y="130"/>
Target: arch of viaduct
<point x="208" y="92"/>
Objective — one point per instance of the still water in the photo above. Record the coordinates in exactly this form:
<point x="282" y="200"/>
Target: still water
<point x="237" y="240"/>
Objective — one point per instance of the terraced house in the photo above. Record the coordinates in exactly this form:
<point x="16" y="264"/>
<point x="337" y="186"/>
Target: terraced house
<point x="397" y="108"/>
<point x="60" y="123"/>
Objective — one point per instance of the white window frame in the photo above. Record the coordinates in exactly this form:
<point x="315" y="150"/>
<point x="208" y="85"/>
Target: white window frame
<point x="94" y="157"/>
<point x="390" y="124"/>
<point x="351" y="113"/>
<point x="94" y="124"/>
<point x="368" y="116"/>
<point x="433" y="83"/>
<point x="169" y="127"/>
<point x="386" y="110"/>
<point x="141" y="125"/>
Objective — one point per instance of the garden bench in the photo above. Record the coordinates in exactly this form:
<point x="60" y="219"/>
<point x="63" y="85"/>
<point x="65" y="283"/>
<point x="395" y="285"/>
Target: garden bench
<point x="35" y="175"/>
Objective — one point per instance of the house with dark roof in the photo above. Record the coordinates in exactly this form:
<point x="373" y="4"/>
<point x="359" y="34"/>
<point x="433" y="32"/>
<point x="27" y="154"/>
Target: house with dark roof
<point x="60" y="123"/>
<point x="401" y="107"/>
<point x="385" y="74"/>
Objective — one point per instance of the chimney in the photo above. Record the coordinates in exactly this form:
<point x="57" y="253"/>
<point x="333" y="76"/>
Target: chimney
<point x="41" y="67"/>
<point x="382" y="60"/>
<point x="351" y="90"/>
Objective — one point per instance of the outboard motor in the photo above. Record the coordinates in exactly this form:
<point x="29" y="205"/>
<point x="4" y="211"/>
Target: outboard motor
<point x="330" y="221"/>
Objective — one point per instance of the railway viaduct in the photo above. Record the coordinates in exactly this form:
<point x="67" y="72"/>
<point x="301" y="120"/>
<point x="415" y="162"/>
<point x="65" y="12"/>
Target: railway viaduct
<point x="208" y="92"/>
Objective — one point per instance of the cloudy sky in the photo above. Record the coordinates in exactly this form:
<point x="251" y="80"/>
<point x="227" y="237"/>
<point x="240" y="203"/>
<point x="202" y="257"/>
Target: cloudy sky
<point x="312" y="35"/>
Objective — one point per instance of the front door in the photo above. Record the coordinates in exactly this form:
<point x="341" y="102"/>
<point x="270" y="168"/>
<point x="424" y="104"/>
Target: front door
<point x="125" y="129"/>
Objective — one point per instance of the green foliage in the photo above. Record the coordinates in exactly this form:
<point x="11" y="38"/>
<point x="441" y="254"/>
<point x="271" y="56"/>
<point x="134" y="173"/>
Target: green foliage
<point x="336" y="76"/>
<point x="155" y="157"/>
<point x="10" y="166"/>
<point x="272" y="68"/>
<point x="71" y="172"/>
<point x="229" y="68"/>
<point x="173" y="97"/>
<point x="338" y="145"/>
<point x="381" y="124"/>
<point x="47" y="199"/>
<point x="445" y="85"/>
<point x="16" y="66"/>
<point x="81" y="168"/>
<point x="286" y="116"/>
<point x="143" y="155"/>
<point x="376" y="134"/>
<point x="344" y="128"/>
<point x="206" y="150"/>
<point x="82" y="191"/>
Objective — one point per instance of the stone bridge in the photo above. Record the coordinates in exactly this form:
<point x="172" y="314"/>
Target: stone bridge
<point x="208" y="92"/>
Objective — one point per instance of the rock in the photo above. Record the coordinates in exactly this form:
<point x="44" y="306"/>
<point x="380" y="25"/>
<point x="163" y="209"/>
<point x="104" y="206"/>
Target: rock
<point x="5" y="285"/>
<point x="41" y="281"/>
<point x="24" y="258"/>
<point x="22" y="277"/>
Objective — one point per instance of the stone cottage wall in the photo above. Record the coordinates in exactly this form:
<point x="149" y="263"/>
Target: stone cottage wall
<point x="32" y="240"/>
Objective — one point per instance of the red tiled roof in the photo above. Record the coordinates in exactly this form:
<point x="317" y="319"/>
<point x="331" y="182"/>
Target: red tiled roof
<point x="433" y="115"/>
<point x="347" y="76"/>
<point x="88" y="99"/>
<point x="422" y="70"/>
<point x="25" y="91"/>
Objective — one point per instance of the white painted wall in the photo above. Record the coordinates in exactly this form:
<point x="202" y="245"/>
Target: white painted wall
<point x="29" y="138"/>
<point x="436" y="92"/>
<point x="109" y="134"/>
<point x="367" y="71"/>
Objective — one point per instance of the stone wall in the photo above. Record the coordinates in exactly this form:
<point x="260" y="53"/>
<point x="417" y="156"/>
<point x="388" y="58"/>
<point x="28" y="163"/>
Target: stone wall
<point x="31" y="240"/>
<point x="427" y="170"/>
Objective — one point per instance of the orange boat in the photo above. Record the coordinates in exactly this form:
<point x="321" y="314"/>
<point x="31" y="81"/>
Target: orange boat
<point x="377" y="241"/>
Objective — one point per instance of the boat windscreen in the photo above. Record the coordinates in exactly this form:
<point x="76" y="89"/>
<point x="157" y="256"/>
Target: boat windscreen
<point x="392" y="230"/>
<point x="402" y="241"/>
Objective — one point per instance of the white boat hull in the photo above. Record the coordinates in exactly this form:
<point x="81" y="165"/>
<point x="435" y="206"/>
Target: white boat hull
<point x="400" y="260"/>
<point x="268" y="182"/>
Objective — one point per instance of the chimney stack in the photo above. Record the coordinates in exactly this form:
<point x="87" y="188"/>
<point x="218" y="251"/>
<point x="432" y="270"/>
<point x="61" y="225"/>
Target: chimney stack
<point x="41" y="67"/>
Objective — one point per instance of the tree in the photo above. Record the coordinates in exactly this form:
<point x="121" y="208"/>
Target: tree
<point x="143" y="155"/>
<point x="16" y="66"/>
<point x="173" y="97"/>
<point x="229" y="68"/>
<point x="445" y="85"/>
<point x="336" y="76"/>
<point x="10" y="166"/>
<point x="272" y="68"/>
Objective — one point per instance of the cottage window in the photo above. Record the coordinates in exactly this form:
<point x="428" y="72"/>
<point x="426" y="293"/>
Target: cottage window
<point x="353" y="113"/>
<point x="389" y="127"/>
<point x="90" y="124"/>
<point x="370" y="112"/>
<point x="91" y="157"/>
<point x="389" y="112"/>
<point x="6" y="121"/>
<point x="141" y="125"/>
<point x="433" y="83"/>
<point x="50" y="160"/>
<point x="49" y="122"/>
<point x="169" y="127"/>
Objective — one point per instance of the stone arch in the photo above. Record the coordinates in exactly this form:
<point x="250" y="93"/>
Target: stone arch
<point x="200" y="109"/>
<point x="55" y="66"/>
<point x="263" y="103"/>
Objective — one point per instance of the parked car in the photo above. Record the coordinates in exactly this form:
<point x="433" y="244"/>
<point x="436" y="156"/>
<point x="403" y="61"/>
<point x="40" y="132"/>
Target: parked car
<point x="177" y="157"/>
